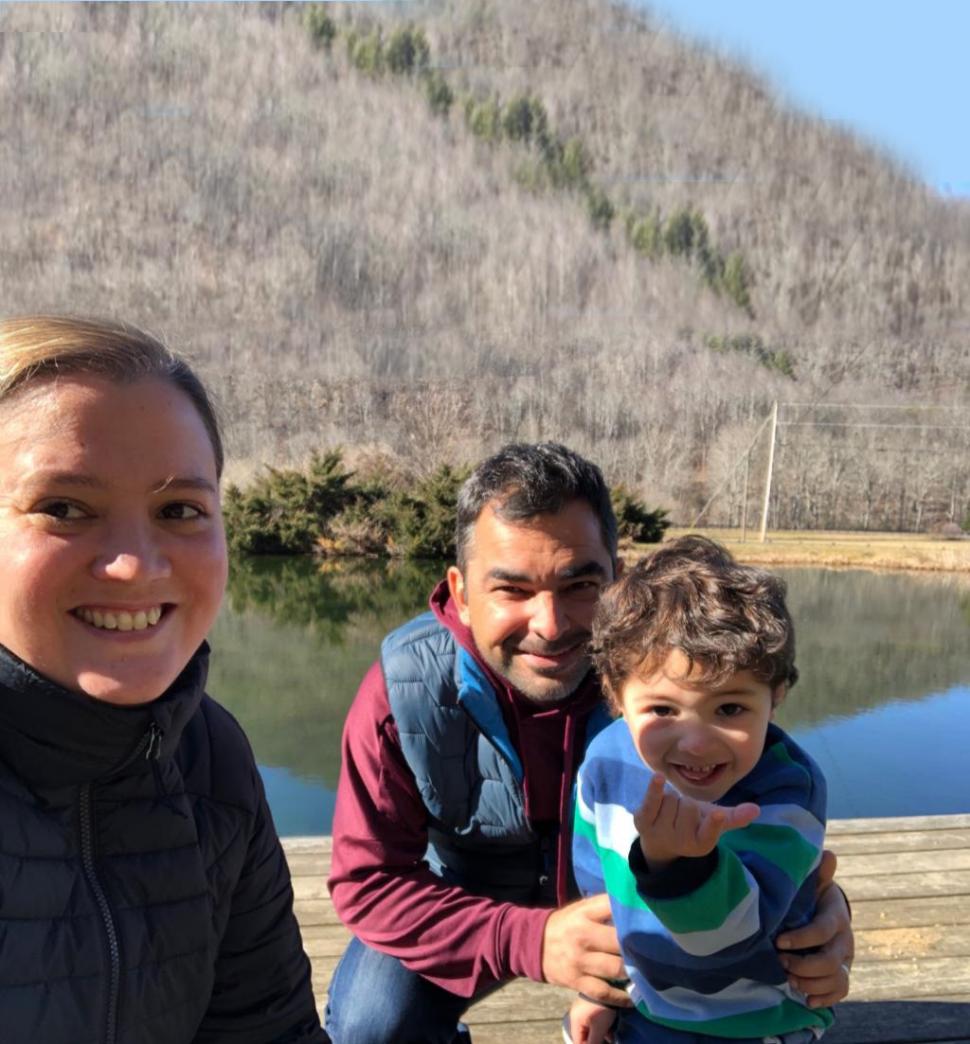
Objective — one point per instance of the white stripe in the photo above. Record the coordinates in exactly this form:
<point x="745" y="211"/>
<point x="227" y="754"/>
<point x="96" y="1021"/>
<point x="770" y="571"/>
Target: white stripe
<point x="585" y="812"/>
<point x="740" y="924"/>
<point x="678" y="1003"/>
<point x="615" y="829"/>
<point x="796" y="818"/>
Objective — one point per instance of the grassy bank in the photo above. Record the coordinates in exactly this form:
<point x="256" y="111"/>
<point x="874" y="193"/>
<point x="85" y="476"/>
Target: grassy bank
<point x="920" y="551"/>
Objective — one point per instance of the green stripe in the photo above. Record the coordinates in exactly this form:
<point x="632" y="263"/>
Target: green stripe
<point x="617" y="875"/>
<point x="780" y="753"/>
<point x="703" y="910"/>
<point x="767" y="1022"/>
<point x="707" y="907"/>
<point x="784" y="846"/>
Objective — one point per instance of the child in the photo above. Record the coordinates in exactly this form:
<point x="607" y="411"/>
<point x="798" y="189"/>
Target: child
<point x="703" y="821"/>
<point x="144" y="896"/>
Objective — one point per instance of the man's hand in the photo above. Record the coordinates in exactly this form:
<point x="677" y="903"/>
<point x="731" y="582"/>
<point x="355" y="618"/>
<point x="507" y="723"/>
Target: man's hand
<point x="580" y="950"/>
<point x="824" y="976"/>
<point x="672" y="826"/>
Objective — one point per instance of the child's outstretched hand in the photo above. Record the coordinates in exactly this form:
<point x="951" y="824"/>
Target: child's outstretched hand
<point x="671" y="825"/>
<point x="589" y="1022"/>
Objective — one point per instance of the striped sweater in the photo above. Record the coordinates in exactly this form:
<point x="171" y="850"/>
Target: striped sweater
<point x="698" y="937"/>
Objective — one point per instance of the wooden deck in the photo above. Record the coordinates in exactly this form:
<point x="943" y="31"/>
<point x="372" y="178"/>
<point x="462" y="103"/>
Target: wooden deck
<point x="909" y="884"/>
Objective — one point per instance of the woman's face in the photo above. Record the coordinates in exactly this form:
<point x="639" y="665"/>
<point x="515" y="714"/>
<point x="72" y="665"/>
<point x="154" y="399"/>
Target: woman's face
<point x="112" y="552"/>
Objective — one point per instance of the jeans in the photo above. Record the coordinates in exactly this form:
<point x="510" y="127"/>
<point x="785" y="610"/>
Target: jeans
<point x="374" y="999"/>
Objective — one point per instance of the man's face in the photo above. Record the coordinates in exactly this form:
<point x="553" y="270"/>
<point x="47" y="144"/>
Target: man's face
<point x="527" y="593"/>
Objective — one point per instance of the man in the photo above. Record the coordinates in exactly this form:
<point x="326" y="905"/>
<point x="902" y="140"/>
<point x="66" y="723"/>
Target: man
<point x="459" y="756"/>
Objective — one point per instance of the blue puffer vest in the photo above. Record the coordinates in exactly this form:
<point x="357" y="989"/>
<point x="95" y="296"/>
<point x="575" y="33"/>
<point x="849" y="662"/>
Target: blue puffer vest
<point x="467" y="772"/>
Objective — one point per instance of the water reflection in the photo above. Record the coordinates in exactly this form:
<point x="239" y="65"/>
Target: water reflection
<point x="865" y="639"/>
<point x="294" y="641"/>
<point x="905" y="758"/>
<point x="292" y="644"/>
<point x="883" y="703"/>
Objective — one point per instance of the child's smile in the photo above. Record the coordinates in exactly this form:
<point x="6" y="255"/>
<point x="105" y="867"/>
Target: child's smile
<point x="698" y="775"/>
<point x="111" y="543"/>
<point x="703" y="738"/>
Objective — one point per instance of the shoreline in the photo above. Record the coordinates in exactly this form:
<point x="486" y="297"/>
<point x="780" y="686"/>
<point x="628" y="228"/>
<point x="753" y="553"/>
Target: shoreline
<point x="898" y="552"/>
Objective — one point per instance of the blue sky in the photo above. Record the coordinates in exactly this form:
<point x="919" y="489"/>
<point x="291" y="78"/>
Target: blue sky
<point x="895" y="71"/>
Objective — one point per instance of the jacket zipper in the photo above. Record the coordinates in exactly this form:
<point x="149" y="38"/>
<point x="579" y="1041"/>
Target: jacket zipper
<point x="150" y="744"/>
<point x="114" y="952"/>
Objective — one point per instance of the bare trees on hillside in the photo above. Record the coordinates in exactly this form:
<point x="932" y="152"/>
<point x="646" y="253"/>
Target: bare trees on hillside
<point x="353" y="267"/>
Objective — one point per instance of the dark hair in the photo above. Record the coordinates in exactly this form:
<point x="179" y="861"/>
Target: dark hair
<point x="524" y="480"/>
<point x="693" y="596"/>
<point x="34" y="348"/>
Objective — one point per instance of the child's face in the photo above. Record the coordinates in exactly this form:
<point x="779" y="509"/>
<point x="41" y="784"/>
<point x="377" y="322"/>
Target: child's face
<point x="702" y="738"/>
<point x="112" y="553"/>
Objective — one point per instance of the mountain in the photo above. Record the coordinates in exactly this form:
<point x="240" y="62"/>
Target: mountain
<point x="426" y="229"/>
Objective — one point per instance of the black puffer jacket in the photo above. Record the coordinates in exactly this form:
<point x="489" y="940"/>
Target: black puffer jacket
<point x="144" y="896"/>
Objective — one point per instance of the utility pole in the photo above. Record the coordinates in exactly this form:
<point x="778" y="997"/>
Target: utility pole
<point x="771" y="465"/>
<point x="746" y="457"/>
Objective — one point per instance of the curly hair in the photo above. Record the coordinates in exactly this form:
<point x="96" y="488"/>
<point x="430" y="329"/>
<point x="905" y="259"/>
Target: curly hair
<point x="691" y="595"/>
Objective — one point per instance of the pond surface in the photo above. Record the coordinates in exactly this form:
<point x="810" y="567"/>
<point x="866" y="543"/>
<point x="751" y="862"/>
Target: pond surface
<point x="883" y="702"/>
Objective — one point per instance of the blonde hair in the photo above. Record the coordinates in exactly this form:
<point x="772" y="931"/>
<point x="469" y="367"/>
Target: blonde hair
<point x="35" y="348"/>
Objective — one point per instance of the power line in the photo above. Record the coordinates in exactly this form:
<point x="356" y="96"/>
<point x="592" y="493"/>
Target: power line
<point x="868" y="406"/>
<point x="900" y="450"/>
<point x="859" y="424"/>
<point x="922" y="439"/>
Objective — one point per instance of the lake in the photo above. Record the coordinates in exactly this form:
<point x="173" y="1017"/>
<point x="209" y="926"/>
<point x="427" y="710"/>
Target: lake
<point x="883" y="702"/>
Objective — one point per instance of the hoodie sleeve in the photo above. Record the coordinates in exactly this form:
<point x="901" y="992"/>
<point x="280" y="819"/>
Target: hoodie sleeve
<point x="381" y="885"/>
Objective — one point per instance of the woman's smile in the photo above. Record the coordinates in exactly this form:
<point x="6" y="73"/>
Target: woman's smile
<point x="125" y="620"/>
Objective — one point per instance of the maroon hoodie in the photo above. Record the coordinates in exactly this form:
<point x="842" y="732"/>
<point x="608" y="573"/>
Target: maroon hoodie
<point x="381" y="886"/>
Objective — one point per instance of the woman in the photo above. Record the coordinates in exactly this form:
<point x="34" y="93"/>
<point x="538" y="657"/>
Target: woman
<point x="144" y="895"/>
